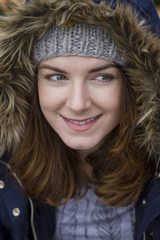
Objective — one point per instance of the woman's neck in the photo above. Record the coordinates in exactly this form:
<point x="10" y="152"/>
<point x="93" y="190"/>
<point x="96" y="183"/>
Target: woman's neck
<point x="85" y="168"/>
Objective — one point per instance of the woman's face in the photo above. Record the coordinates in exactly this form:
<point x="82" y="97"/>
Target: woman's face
<point x="80" y="98"/>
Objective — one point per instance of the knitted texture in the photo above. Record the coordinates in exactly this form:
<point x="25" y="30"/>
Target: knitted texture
<point x="80" y="39"/>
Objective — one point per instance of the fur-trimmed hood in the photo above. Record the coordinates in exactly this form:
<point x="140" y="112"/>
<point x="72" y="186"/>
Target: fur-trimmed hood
<point x="19" y="32"/>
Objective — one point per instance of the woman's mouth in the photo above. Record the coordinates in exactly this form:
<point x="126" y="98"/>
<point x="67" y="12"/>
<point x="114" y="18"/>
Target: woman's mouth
<point x="82" y="122"/>
<point x="82" y="125"/>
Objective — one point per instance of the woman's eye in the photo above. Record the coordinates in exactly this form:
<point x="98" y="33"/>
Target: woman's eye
<point x="103" y="78"/>
<point x="57" y="77"/>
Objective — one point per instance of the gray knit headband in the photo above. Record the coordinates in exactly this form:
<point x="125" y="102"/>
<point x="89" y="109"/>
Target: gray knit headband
<point x="80" y="39"/>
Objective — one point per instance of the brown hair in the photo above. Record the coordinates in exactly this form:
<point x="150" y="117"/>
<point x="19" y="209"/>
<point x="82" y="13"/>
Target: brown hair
<point x="48" y="168"/>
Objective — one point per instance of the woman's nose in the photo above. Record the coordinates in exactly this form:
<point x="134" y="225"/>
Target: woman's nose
<point x="79" y="98"/>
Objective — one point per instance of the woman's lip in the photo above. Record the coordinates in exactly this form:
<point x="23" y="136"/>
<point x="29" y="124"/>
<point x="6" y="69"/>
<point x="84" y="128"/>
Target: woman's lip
<point x="81" y="125"/>
<point x="81" y="120"/>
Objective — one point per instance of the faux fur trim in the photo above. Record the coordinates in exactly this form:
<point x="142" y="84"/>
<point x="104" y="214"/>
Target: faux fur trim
<point x="19" y="32"/>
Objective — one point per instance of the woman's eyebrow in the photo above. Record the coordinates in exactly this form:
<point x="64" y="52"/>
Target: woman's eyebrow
<point x="106" y="66"/>
<point x="97" y="69"/>
<point x="52" y="68"/>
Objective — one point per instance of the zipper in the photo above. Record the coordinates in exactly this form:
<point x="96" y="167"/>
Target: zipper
<point x="144" y="236"/>
<point x="32" y="219"/>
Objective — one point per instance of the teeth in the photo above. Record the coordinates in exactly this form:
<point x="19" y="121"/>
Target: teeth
<point x="84" y="122"/>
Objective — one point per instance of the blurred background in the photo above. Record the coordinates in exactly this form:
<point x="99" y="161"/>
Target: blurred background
<point x="4" y="3"/>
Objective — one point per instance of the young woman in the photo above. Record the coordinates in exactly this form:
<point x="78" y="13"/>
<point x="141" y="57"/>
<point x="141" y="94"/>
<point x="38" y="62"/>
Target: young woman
<point x="79" y="124"/>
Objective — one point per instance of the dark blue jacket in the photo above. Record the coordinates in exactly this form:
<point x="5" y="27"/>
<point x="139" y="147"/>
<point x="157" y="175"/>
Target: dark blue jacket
<point x="22" y="218"/>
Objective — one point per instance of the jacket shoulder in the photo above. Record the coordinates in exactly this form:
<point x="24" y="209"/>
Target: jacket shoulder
<point x="15" y="210"/>
<point x="148" y="212"/>
<point x="14" y="206"/>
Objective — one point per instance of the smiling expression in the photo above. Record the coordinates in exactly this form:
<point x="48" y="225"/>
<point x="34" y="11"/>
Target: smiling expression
<point x="80" y="98"/>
